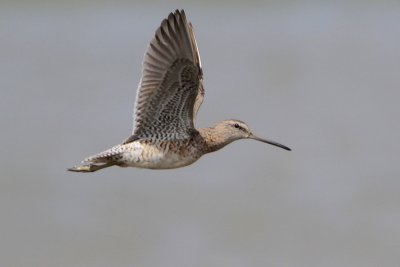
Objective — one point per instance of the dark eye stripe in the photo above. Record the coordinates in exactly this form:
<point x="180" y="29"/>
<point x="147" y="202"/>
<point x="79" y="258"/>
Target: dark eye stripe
<point x="238" y="126"/>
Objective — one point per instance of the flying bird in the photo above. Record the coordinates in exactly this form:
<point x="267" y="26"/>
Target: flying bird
<point x="169" y="95"/>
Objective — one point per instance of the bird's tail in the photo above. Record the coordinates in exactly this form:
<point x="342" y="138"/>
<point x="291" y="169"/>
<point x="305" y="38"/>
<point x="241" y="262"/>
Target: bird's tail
<point x="99" y="161"/>
<point x="112" y="154"/>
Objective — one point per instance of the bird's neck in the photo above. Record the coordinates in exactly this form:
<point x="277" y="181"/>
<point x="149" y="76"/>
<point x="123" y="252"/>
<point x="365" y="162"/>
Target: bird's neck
<point x="214" y="140"/>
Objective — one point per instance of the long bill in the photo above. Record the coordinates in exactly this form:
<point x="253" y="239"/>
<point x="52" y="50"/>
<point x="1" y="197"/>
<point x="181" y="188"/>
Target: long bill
<point x="271" y="142"/>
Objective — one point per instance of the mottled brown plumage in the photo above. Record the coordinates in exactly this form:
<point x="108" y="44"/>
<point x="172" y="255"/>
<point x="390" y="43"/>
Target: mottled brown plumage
<point x="168" y="98"/>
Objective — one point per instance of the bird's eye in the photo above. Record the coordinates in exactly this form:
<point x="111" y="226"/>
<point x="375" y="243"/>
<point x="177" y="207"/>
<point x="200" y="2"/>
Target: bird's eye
<point x="236" y="125"/>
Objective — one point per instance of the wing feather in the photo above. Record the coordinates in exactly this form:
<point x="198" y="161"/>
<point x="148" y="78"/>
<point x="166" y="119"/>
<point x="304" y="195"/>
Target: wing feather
<point x="170" y="91"/>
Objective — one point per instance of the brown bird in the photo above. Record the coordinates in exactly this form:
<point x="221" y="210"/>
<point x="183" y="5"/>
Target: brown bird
<point x="169" y="95"/>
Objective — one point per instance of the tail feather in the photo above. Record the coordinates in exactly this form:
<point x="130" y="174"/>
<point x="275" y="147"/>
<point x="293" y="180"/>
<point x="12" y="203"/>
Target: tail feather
<point x="113" y="154"/>
<point x="102" y="160"/>
<point x="91" y="167"/>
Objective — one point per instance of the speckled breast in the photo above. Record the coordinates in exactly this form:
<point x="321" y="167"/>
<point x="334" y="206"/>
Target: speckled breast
<point x="162" y="154"/>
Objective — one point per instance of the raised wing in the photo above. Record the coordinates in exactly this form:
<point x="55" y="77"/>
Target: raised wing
<point x="171" y="83"/>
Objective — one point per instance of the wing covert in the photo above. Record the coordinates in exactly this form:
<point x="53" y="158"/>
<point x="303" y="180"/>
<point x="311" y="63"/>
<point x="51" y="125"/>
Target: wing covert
<point x="170" y="91"/>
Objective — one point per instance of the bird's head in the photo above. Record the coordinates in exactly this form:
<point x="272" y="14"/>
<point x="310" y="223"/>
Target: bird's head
<point x="236" y="129"/>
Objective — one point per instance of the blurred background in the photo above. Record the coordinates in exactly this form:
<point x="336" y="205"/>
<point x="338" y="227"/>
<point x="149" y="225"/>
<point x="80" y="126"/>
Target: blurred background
<point x="322" y="78"/>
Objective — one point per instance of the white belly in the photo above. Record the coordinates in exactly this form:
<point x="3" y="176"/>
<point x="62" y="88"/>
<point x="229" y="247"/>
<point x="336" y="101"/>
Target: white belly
<point x="152" y="157"/>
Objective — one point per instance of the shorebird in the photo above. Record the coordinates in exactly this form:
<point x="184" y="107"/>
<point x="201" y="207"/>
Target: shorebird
<point x="169" y="95"/>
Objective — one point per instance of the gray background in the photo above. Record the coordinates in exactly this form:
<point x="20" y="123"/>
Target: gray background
<point x="320" y="77"/>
